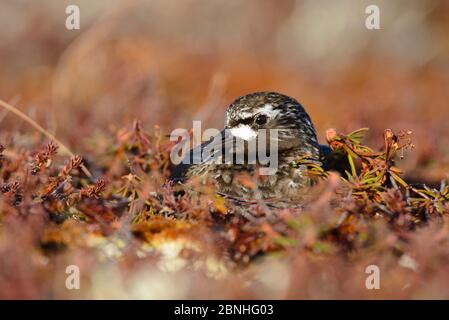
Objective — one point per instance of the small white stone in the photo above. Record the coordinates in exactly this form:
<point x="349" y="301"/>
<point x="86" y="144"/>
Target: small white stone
<point x="408" y="262"/>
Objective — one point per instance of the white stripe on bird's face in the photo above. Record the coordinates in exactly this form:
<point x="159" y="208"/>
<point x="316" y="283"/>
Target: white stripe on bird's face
<point x="244" y="132"/>
<point x="269" y="111"/>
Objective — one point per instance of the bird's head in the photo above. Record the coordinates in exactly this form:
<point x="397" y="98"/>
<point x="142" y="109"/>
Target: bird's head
<point x="247" y="115"/>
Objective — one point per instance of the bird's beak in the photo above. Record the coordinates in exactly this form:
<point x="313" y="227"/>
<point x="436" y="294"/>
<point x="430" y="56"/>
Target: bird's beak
<point x="224" y="147"/>
<point x="213" y="150"/>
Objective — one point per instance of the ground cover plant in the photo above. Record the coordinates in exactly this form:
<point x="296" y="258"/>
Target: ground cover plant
<point x="129" y="210"/>
<point x="85" y="119"/>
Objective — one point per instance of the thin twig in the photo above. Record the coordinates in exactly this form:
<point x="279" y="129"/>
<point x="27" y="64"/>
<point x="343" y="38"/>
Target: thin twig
<point x="33" y="123"/>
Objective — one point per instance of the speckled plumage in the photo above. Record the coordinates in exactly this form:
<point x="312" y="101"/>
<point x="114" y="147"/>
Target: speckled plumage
<point x="296" y="139"/>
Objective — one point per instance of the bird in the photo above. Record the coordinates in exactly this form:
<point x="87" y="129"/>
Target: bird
<point x="245" y="118"/>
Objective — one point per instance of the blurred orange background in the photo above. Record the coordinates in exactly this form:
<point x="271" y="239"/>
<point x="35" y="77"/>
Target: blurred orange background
<point x="172" y="62"/>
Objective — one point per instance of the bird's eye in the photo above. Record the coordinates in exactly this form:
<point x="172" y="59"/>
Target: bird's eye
<point x="261" y="119"/>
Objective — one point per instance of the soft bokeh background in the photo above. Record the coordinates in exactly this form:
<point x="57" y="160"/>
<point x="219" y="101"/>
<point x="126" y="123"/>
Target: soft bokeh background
<point x="171" y="62"/>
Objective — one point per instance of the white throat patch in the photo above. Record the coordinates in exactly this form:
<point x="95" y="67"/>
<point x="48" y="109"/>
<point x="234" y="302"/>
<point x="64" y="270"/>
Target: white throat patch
<point x="244" y="132"/>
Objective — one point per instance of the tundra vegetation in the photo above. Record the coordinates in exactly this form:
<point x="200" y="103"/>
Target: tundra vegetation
<point x="83" y="184"/>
